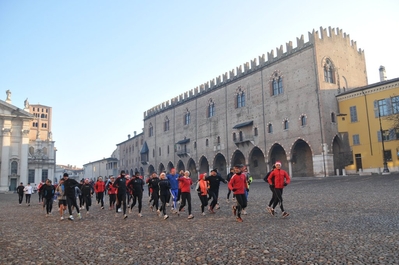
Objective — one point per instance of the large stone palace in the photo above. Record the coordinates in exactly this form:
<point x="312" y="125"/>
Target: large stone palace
<point x="277" y="107"/>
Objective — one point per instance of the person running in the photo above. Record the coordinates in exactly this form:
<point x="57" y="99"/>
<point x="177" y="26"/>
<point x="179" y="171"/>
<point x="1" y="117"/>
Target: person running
<point x="20" y="191"/>
<point x="69" y="187"/>
<point x="99" y="188"/>
<point x="120" y="184"/>
<point x="79" y="194"/>
<point x="174" y="187"/>
<point x="181" y="174"/>
<point x="28" y="193"/>
<point x="281" y="179"/>
<point x="136" y="185"/>
<point x="164" y="190"/>
<point x="148" y="180"/>
<point x="39" y="192"/>
<point x="185" y="185"/>
<point x="228" y="180"/>
<point x="112" y="190"/>
<point x="214" y="182"/>
<point x="238" y="184"/>
<point x="60" y="192"/>
<point x="87" y="192"/>
<point x="48" y="195"/>
<point x="271" y="187"/>
<point x="202" y="189"/>
<point x="153" y="183"/>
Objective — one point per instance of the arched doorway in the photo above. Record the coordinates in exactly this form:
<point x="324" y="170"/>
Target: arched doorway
<point x="277" y="153"/>
<point x="203" y="165"/>
<point x="257" y="164"/>
<point x="161" y="168"/>
<point x="302" y="159"/>
<point x="180" y="166"/>
<point x="170" y="166"/>
<point x="219" y="163"/>
<point x="237" y="158"/>
<point x="343" y="155"/>
<point x="151" y="169"/>
<point x="141" y="171"/>
<point x="191" y="167"/>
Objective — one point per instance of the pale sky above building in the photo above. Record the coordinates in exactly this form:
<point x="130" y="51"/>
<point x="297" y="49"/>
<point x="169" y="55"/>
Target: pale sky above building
<point x="101" y="64"/>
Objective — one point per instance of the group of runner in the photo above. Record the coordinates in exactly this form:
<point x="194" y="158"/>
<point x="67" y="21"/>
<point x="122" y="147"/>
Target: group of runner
<point x="125" y="192"/>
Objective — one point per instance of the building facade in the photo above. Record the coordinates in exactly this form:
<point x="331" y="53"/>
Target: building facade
<point x="279" y="107"/>
<point x="73" y="172"/>
<point x="14" y="142"/>
<point x="129" y="154"/>
<point x="101" y="168"/>
<point x="369" y="118"/>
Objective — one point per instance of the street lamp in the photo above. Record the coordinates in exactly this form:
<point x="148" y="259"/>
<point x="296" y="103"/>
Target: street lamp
<point x="386" y="170"/>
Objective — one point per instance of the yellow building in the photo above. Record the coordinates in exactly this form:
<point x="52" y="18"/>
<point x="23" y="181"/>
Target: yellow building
<point x="367" y="117"/>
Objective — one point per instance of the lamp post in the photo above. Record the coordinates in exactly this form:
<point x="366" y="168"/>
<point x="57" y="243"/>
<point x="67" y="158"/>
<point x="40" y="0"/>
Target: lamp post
<point x="385" y="170"/>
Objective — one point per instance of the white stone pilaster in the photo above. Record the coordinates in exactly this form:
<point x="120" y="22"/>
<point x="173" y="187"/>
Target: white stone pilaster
<point x="5" y="159"/>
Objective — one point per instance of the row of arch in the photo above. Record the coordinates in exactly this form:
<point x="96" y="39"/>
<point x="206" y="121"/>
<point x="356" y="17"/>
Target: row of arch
<point x="300" y="157"/>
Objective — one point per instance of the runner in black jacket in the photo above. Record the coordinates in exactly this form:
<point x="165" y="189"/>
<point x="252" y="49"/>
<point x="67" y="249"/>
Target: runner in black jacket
<point x="136" y="185"/>
<point x="153" y="184"/>
<point x="87" y="192"/>
<point x="164" y="191"/>
<point x="120" y="184"/>
<point x="69" y="186"/>
<point x="214" y="183"/>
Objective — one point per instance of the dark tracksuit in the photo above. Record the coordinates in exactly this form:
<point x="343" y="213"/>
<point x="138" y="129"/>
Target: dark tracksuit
<point x="137" y="186"/>
<point x="87" y="191"/>
<point x="214" y="183"/>
<point x="120" y="183"/>
<point x="20" y="191"/>
<point x="153" y="184"/>
<point x="48" y="196"/>
<point x="69" y="186"/>
<point x="164" y="190"/>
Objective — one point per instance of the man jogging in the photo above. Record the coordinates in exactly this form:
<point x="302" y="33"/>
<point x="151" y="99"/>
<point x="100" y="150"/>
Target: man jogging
<point x="120" y="184"/>
<point x="281" y="179"/>
<point x="238" y="184"/>
<point x="214" y="182"/>
<point x="69" y="188"/>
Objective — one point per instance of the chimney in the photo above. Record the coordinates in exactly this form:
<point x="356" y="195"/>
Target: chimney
<point x="383" y="74"/>
<point x="128" y="136"/>
<point x="135" y="133"/>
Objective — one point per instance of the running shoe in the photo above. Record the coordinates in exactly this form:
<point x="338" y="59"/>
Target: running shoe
<point x="234" y="210"/>
<point x="125" y="216"/>
<point x="62" y="218"/>
<point x="203" y="213"/>
<point x="165" y="217"/>
<point x="70" y="218"/>
<point x="80" y="216"/>
<point x="140" y="215"/>
<point x="285" y="214"/>
<point x="244" y="212"/>
<point x="239" y="219"/>
<point x="190" y="216"/>
<point x="269" y="209"/>
<point x="272" y="212"/>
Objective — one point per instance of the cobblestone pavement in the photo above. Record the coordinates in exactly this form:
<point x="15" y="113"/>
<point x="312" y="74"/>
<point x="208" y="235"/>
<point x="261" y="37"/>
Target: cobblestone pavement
<point x="334" y="220"/>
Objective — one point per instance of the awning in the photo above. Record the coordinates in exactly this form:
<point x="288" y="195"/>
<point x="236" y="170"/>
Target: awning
<point x="144" y="149"/>
<point x="248" y="123"/>
<point x="184" y="141"/>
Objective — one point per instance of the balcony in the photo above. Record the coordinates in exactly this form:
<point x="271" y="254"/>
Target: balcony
<point x="183" y="152"/>
<point x="244" y="140"/>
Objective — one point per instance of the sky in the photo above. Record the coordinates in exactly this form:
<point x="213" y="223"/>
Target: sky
<point x="101" y="64"/>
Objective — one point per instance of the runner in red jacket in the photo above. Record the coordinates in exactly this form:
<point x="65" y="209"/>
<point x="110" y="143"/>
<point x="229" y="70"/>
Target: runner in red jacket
<point x="185" y="185"/>
<point x="238" y="184"/>
<point x="99" y="188"/>
<point x="278" y="179"/>
<point x="112" y="190"/>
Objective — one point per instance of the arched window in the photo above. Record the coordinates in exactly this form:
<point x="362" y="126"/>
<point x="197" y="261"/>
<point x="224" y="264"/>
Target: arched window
<point x="14" y="167"/>
<point x="195" y="145"/>
<point x="328" y="71"/>
<point x="218" y="139"/>
<point x="150" y="130"/>
<point x="285" y="125"/>
<point x="333" y="117"/>
<point x="187" y="118"/>
<point x="277" y="83"/>
<point x="256" y="131"/>
<point x="211" y="108"/>
<point x="42" y="116"/>
<point x="166" y="124"/>
<point x="303" y="120"/>
<point x="159" y="151"/>
<point x="270" y="128"/>
<point x="241" y="136"/>
<point x="240" y="98"/>
<point x="206" y="142"/>
<point x="234" y="137"/>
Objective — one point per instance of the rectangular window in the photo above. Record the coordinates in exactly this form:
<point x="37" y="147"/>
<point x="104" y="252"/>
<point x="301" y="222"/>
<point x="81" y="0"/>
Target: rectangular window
<point x="44" y="174"/>
<point x="31" y="176"/>
<point x="388" y="155"/>
<point x="353" y="113"/>
<point x="395" y="104"/>
<point x="384" y="107"/>
<point x="356" y="139"/>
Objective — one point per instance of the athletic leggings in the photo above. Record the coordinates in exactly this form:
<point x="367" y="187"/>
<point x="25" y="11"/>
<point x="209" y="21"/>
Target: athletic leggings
<point x="185" y="196"/>
<point x="27" y="198"/>
<point x="49" y="204"/>
<point x="204" y="201"/>
<point x="87" y="200"/>
<point x="81" y="201"/>
<point x="213" y="196"/>
<point x="273" y="196"/>
<point x="139" y="198"/>
<point x="112" y="199"/>
<point x="101" y="198"/>
<point x="20" y="198"/>
<point x="278" y="199"/>
<point x="71" y="201"/>
<point x="163" y="206"/>
<point x="121" y="200"/>
<point x="241" y="203"/>
<point x="155" y="198"/>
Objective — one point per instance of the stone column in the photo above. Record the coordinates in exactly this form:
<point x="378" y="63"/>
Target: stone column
<point x="290" y="168"/>
<point x="24" y="156"/>
<point x="5" y="159"/>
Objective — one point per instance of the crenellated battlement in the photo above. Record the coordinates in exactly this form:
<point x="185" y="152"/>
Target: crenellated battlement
<point x="256" y="64"/>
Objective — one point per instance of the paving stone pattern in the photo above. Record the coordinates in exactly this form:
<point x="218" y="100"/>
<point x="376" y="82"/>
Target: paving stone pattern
<point x="335" y="220"/>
